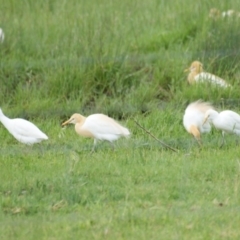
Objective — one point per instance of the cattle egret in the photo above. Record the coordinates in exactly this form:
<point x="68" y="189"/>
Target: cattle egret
<point x="23" y="130"/>
<point x="1" y="35"/>
<point x="197" y="75"/>
<point x="214" y="13"/>
<point x="227" y="121"/>
<point x="194" y="117"/>
<point x="97" y="126"/>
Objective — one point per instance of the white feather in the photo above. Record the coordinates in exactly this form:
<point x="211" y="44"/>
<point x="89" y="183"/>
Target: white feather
<point x="104" y="127"/>
<point x="208" y="77"/>
<point x="1" y="35"/>
<point x="227" y="121"/>
<point x="23" y="130"/>
<point x="194" y="116"/>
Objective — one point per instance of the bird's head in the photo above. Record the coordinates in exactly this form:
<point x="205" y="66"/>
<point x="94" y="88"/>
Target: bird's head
<point x="205" y="119"/>
<point x="209" y="116"/>
<point x="196" y="66"/>
<point x="75" y="118"/>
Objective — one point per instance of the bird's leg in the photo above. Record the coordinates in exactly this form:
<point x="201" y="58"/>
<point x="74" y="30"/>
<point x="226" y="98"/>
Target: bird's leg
<point x="198" y="139"/>
<point x="199" y="142"/>
<point x="112" y="145"/>
<point x="41" y="150"/>
<point x="237" y="143"/>
<point x="223" y="140"/>
<point x="94" y="145"/>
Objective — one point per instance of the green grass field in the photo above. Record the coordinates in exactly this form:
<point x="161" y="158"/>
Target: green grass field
<point x="125" y="59"/>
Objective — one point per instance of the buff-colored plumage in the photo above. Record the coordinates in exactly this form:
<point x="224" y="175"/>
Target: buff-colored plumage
<point x="197" y="75"/>
<point x="227" y="121"/>
<point x="214" y="13"/>
<point x="23" y="130"/>
<point x="98" y="126"/>
<point x="194" y="117"/>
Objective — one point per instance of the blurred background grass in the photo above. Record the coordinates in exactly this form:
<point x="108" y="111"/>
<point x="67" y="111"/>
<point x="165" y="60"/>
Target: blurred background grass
<point x="117" y="57"/>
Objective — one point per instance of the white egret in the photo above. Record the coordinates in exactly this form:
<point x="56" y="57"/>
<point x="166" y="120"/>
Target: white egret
<point x="230" y="13"/>
<point x="1" y="35"/>
<point x="194" y="117"/>
<point x="23" y="130"/>
<point x="227" y="121"/>
<point x="197" y="75"/>
<point x="216" y="14"/>
<point x="97" y="126"/>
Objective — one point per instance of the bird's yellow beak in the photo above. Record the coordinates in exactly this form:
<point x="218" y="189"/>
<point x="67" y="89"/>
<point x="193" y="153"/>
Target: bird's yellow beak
<point x="66" y="122"/>
<point x="187" y="70"/>
<point x="205" y="120"/>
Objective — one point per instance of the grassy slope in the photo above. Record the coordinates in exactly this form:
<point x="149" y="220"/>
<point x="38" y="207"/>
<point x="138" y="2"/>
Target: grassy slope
<point x="120" y="58"/>
<point x="97" y="56"/>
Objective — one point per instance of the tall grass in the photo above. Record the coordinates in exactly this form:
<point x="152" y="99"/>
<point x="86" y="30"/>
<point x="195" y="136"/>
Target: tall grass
<point x="93" y="52"/>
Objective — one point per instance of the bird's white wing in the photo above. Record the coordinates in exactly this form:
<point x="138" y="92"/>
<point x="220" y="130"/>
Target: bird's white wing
<point x="1" y="35"/>
<point x="204" y="76"/>
<point x="102" y="124"/>
<point x="25" y="128"/>
<point x="229" y="121"/>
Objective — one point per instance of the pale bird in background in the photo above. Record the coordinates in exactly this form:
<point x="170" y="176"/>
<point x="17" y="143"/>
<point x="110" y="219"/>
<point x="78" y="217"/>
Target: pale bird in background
<point x="198" y="75"/>
<point x="98" y="126"/>
<point x="215" y="14"/>
<point x="227" y="121"/>
<point x="23" y="130"/>
<point x="194" y="117"/>
<point x="228" y="13"/>
<point x="1" y="35"/>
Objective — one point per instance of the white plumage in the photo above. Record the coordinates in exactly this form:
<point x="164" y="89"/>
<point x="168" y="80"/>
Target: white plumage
<point x="193" y="119"/>
<point x="217" y="14"/>
<point x="23" y="130"/>
<point x="1" y="35"/>
<point x="227" y="121"/>
<point x="98" y="126"/>
<point x="228" y="13"/>
<point x="197" y="75"/>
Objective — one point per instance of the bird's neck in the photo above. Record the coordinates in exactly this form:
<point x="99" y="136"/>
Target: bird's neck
<point x="214" y="117"/>
<point x="82" y="131"/>
<point x="5" y="120"/>
<point x="81" y="121"/>
<point x="191" y="77"/>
